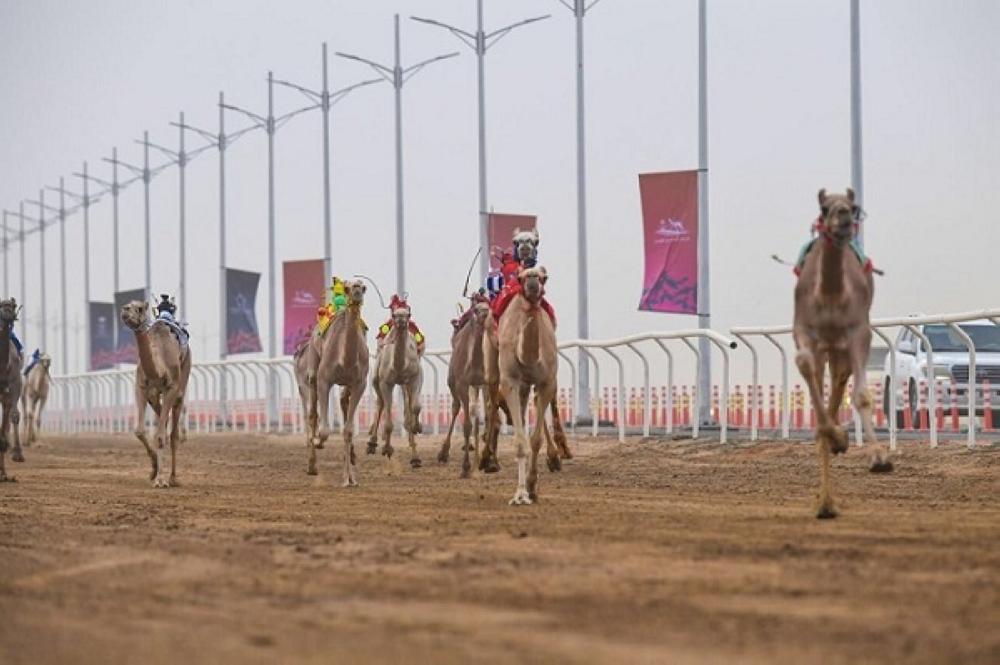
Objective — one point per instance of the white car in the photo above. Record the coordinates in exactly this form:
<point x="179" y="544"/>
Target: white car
<point x="951" y="364"/>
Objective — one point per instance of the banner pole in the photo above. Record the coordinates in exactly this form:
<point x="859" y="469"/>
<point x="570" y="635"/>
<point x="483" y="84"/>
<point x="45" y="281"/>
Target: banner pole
<point x="857" y="173"/>
<point x="704" y="303"/>
<point x="223" y="332"/>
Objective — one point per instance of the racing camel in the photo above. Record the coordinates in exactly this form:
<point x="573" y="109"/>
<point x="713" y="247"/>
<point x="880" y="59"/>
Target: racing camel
<point x="833" y="299"/>
<point x="161" y="379"/>
<point x="10" y="385"/>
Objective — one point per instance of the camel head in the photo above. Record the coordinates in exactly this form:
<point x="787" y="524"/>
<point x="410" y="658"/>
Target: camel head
<point x="355" y="292"/>
<point x="8" y="312"/>
<point x="480" y="311"/>
<point x="838" y="215"/>
<point x="526" y="246"/>
<point x="401" y="318"/>
<point x="45" y="361"/>
<point x="135" y="315"/>
<point x="533" y="283"/>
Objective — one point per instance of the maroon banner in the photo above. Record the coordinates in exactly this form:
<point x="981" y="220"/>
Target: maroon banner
<point x="670" y="232"/>
<point x="500" y="231"/>
<point x="304" y="293"/>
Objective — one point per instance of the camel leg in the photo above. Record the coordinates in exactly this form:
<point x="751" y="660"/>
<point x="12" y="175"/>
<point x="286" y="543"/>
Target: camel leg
<point x="470" y="411"/>
<point x="456" y="406"/>
<point x="489" y="462"/>
<point x="373" y="430"/>
<point x="350" y="461"/>
<point x="840" y="373"/>
<point x="553" y="454"/>
<point x="39" y="407"/>
<point x="811" y="368"/>
<point x="15" y="418"/>
<point x="140" y="429"/>
<point x="543" y="396"/>
<point x="511" y="392"/>
<point x="4" y="430"/>
<point x="387" y="390"/>
<point x="323" y="386"/>
<point x="559" y="433"/>
<point x="859" y="348"/>
<point x="175" y="437"/>
<point x="162" y="418"/>
<point x="311" y="423"/>
<point x="411" y="409"/>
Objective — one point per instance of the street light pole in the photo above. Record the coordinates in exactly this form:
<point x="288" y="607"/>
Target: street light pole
<point x="86" y="201"/>
<point x="480" y="42"/>
<point x="857" y="172"/>
<point x="62" y="272"/>
<point x="41" y="264"/>
<point x="397" y="76"/>
<point x="704" y="303"/>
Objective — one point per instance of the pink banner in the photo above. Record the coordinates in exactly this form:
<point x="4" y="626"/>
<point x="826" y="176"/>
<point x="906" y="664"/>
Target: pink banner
<point x="304" y="293"/>
<point x="670" y="231"/>
<point x="500" y="231"/>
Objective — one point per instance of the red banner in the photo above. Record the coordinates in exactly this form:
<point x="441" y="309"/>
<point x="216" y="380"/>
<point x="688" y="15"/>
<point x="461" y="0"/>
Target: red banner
<point x="670" y="231"/>
<point x="500" y="231"/>
<point x="304" y="293"/>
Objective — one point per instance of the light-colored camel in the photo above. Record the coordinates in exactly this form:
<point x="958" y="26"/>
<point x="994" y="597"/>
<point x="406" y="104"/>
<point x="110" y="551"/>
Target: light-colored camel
<point x="161" y="379"/>
<point x="34" y="394"/>
<point x="397" y="364"/>
<point x="340" y="357"/>
<point x="833" y="298"/>
<point x="466" y="380"/>
<point x="302" y="360"/>
<point x="10" y="386"/>
<point x="527" y="358"/>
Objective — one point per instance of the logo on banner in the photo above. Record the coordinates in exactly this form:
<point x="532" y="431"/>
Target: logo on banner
<point x="671" y="230"/>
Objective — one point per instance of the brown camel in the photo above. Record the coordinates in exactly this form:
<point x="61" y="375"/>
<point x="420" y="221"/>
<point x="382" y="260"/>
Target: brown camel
<point x="466" y="379"/>
<point x="340" y="357"/>
<point x="302" y="359"/>
<point x="833" y="299"/>
<point x="34" y="394"/>
<point x="10" y="385"/>
<point x="161" y="379"/>
<point x="527" y="358"/>
<point x="398" y="364"/>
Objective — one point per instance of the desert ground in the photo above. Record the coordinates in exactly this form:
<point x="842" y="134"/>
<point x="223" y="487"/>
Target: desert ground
<point x="653" y="551"/>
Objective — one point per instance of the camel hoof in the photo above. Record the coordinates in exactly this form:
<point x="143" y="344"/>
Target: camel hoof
<point x="881" y="466"/>
<point x="466" y="471"/>
<point x="416" y="463"/>
<point x="521" y="498"/>
<point x="554" y="463"/>
<point x="838" y="441"/>
<point x="350" y="483"/>
<point x="489" y="466"/>
<point x="372" y="448"/>
<point x="17" y="456"/>
<point x="174" y="482"/>
<point x="466" y="446"/>
<point x="387" y="451"/>
<point x="826" y="513"/>
<point x="4" y="478"/>
<point x="319" y="444"/>
<point x="160" y="483"/>
<point x="443" y="456"/>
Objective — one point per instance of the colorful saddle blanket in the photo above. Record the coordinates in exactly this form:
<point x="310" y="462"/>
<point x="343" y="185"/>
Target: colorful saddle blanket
<point x="855" y="247"/>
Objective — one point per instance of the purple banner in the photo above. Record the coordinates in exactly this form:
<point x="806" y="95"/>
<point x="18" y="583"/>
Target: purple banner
<point x="102" y="335"/>
<point x="242" y="335"/>
<point x="670" y="231"/>
<point x="303" y="296"/>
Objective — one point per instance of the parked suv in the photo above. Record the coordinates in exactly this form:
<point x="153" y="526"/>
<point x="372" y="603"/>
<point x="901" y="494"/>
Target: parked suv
<point x="951" y="364"/>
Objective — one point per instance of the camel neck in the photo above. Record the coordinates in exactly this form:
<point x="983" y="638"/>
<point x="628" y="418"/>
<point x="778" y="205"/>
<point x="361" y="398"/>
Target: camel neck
<point x="476" y="330"/>
<point x="529" y="340"/>
<point x="399" y="348"/>
<point x="352" y="320"/>
<point x="5" y="344"/>
<point x="831" y="268"/>
<point x="145" y="350"/>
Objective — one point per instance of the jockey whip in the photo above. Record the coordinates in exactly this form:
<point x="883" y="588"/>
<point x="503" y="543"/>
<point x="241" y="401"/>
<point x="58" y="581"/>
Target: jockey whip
<point x="778" y="259"/>
<point x="468" y="276"/>
<point x="372" y="282"/>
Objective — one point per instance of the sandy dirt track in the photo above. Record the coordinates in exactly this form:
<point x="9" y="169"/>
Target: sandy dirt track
<point x="646" y="552"/>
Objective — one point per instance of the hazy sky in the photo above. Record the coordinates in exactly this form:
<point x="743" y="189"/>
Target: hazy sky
<point x="81" y="77"/>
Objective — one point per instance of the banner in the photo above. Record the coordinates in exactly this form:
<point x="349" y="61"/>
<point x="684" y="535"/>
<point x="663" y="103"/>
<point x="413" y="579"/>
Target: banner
<point x="242" y="335"/>
<point x="670" y="232"/>
<point x="500" y="231"/>
<point x="126" y="352"/>
<point x="101" y="319"/>
<point x="304" y="293"/>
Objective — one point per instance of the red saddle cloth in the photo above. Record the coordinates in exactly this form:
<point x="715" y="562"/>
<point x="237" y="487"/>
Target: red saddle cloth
<point x="506" y="296"/>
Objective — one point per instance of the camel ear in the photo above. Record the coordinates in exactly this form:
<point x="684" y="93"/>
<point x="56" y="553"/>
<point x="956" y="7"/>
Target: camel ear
<point x="850" y="194"/>
<point x="822" y="197"/>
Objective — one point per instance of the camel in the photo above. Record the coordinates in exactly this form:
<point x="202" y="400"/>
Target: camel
<point x="161" y="379"/>
<point x="302" y="359"/>
<point x="339" y="357"/>
<point x="10" y="386"/>
<point x="527" y="358"/>
<point x="33" y="397"/>
<point x="398" y="364"/>
<point x="833" y="298"/>
<point x="466" y="379"/>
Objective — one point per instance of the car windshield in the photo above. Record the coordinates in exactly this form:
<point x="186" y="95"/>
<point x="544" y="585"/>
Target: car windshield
<point x="984" y="337"/>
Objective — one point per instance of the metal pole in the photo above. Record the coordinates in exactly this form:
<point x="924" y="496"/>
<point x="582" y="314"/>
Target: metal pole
<point x="398" y="85"/>
<point x="857" y="173"/>
<point x="704" y="305"/>
<point x="114" y="196"/>
<point x="41" y="265"/>
<point x="583" y="313"/>
<point x="181" y="166"/>
<point x="145" y="186"/>
<point x="484" y="256"/>
<point x="6" y="260"/>
<point x="24" y="287"/>
<point x="223" y="333"/>
<point x="271" y="299"/>
<point x="327" y="224"/>
<point x="86" y="270"/>
<point x="62" y="274"/>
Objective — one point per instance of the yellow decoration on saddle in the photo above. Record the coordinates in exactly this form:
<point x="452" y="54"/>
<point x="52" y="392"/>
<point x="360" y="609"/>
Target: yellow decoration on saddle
<point x="337" y="303"/>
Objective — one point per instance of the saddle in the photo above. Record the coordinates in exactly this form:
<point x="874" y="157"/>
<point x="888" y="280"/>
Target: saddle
<point x="177" y="330"/>
<point x="866" y="262"/>
<point x="506" y="297"/>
